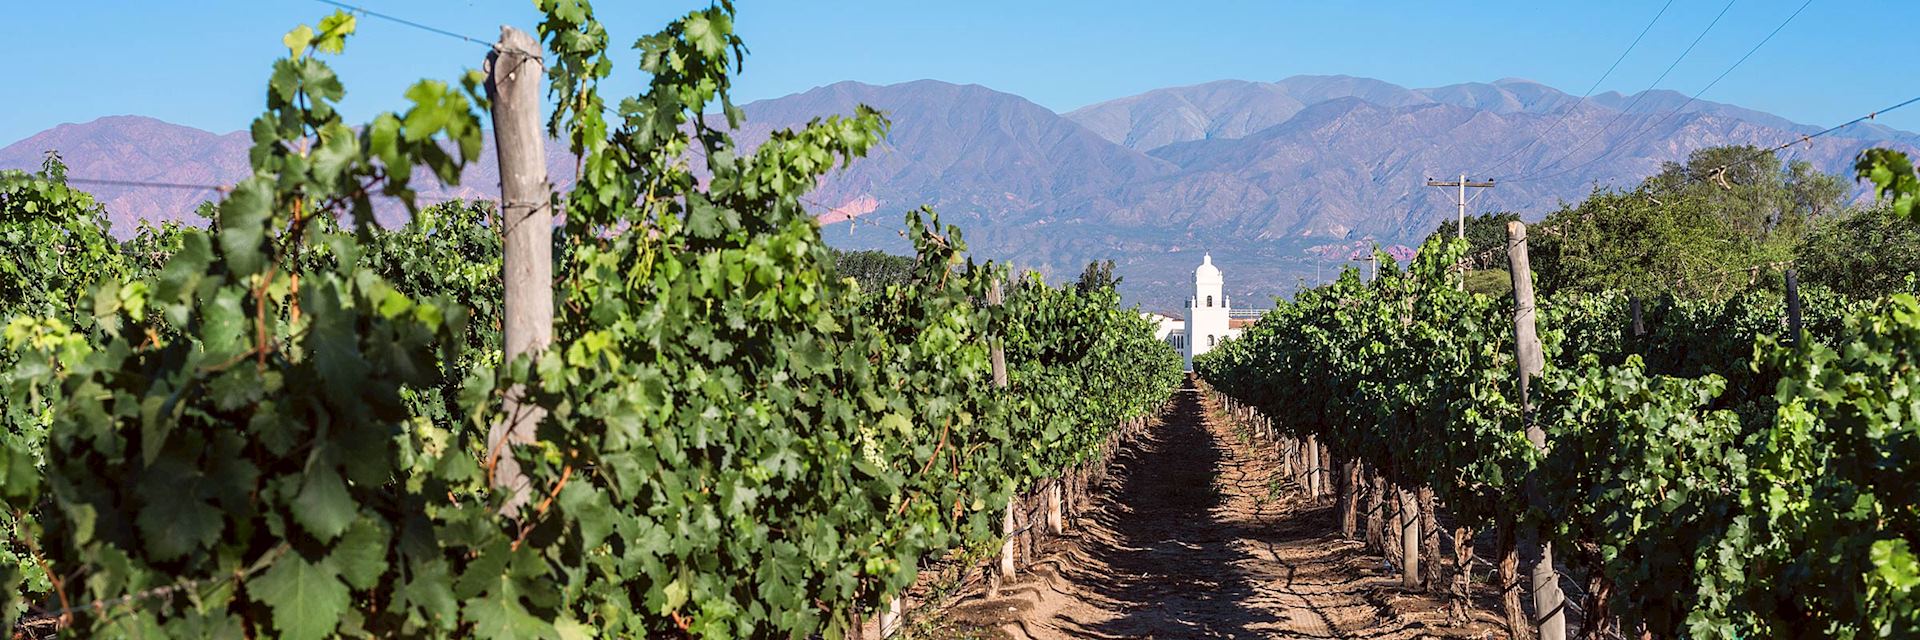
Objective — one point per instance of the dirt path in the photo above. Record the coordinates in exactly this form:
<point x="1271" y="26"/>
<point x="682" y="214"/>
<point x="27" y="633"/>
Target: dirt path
<point x="1190" y="540"/>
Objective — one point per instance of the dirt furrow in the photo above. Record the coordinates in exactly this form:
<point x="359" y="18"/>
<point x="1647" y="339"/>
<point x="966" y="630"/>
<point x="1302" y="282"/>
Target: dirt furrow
<point x="1193" y="538"/>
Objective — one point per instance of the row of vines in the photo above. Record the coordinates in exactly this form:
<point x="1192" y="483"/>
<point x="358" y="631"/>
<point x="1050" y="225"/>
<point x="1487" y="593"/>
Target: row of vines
<point x="1704" y="471"/>
<point x="277" y="426"/>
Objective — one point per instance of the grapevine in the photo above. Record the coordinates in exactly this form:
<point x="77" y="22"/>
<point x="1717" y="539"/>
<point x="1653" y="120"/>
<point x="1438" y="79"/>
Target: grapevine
<point x="1683" y="471"/>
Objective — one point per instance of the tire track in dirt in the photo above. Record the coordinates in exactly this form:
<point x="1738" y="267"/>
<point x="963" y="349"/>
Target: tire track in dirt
<point x="1188" y="539"/>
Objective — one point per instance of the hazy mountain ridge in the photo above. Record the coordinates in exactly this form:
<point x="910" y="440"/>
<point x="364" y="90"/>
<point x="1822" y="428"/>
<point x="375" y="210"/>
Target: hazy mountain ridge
<point x="1260" y="173"/>
<point x="142" y="149"/>
<point x="1219" y="109"/>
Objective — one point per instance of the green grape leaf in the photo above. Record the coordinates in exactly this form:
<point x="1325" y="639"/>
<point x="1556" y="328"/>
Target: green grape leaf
<point x="502" y="616"/>
<point x="323" y="507"/>
<point x="242" y="225"/>
<point x="361" y="554"/>
<point x="430" y="591"/>
<point x="175" y="520"/>
<point x="334" y="30"/>
<point x="297" y="40"/>
<point x="307" y="599"/>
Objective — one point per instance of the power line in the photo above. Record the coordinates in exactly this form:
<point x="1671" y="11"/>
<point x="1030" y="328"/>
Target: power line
<point x="141" y="184"/>
<point x="1583" y="97"/>
<point x="1483" y="256"/>
<point x="150" y="185"/>
<point x="1544" y="228"/>
<point x="1809" y="138"/>
<point x="1683" y="106"/>
<point x="1639" y="96"/>
<point x="403" y="21"/>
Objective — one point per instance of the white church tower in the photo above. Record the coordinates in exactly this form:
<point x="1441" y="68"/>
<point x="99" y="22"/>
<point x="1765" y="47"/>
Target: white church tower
<point x="1207" y="311"/>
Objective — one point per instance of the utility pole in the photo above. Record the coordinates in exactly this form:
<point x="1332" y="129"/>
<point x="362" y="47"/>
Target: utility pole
<point x="514" y="74"/>
<point x="1462" y="183"/>
<point x="1373" y="256"/>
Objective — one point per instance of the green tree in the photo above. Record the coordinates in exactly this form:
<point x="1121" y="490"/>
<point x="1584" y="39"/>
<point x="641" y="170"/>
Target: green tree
<point x="873" y="269"/>
<point x="1098" y="276"/>
<point x="1707" y="227"/>
<point x="1866" y="253"/>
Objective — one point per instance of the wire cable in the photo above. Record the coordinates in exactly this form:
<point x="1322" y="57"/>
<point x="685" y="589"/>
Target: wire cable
<point x="141" y="184"/>
<point x="107" y="182"/>
<point x="1639" y="96"/>
<point x="1683" y="106"/>
<point x="1809" y="138"/>
<point x="406" y="22"/>
<point x="1543" y="227"/>
<point x="1583" y="97"/>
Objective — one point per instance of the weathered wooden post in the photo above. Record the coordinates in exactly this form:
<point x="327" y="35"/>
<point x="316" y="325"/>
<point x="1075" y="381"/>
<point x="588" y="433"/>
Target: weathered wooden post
<point x="1409" y="540"/>
<point x="1311" y="458"/>
<point x="1548" y="601"/>
<point x="1639" y="319"/>
<point x="514" y="77"/>
<point x="890" y="618"/>
<point x="1376" y="511"/>
<point x="1055" y="524"/>
<point x="999" y="361"/>
<point x="1323" y="465"/>
<point x="1794" y="331"/>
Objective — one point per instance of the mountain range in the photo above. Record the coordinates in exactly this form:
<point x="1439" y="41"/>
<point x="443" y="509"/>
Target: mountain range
<point x="1280" y="181"/>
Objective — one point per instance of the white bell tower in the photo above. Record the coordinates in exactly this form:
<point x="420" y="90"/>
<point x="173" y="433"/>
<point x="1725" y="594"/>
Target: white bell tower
<point x="1207" y="311"/>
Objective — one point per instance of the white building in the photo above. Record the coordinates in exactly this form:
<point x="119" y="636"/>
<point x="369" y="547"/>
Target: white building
<point x="1209" y="314"/>
<point x="1168" y="328"/>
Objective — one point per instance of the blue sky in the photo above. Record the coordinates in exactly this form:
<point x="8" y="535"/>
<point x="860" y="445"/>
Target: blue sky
<point x="204" y="63"/>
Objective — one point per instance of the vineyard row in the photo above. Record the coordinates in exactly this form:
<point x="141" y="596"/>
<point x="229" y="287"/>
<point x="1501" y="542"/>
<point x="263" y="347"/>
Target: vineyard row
<point x="280" y="425"/>
<point x="1706" y="469"/>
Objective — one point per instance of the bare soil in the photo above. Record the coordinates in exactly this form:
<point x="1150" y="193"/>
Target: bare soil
<point x="1194" y="535"/>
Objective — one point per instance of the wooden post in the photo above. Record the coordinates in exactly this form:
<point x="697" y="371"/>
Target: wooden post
<point x="1376" y="512"/>
<point x="1794" y="331"/>
<point x="515" y="75"/>
<point x="1394" y="527"/>
<point x="1303" y="465"/>
<point x="1011" y="537"/>
<point x="1430" y="539"/>
<point x="1311" y="459"/>
<point x="1409" y="540"/>
<point x="999" y="361"/>
<point x="1548" y="601"/>
<point x="890" y="618"/>
<point x="1285" y="445"/>
<point x="1639" y="319"/>
<point x="1323" y="471"/>
<point x="1056" y="525"/>
<point x="999" y="351"/>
